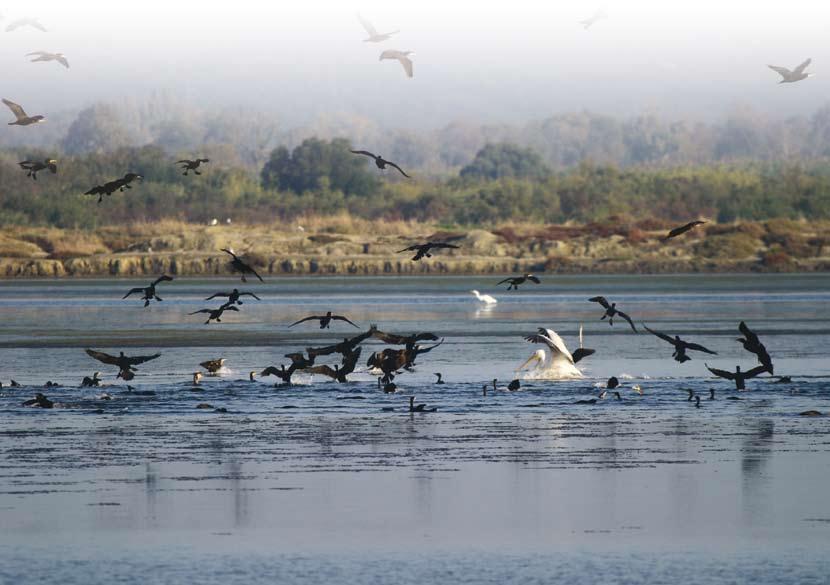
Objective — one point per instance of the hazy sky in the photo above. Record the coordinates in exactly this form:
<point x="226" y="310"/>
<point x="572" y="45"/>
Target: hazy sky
<point x="484" y="61"/>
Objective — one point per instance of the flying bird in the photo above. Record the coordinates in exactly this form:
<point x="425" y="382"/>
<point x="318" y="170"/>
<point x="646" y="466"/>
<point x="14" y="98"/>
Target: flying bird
<point x="215" y="314"/>
<point x="796" y="74"/>
<point x="192" y="165"/>
<point x="126" y="365"/>
<point x="680" y="346"/>
<point x="374" y="35"/>
<point x="47" y="56"/>
<point x="339" y="372"/>
<point x="515" y="281"/>
<point x="112" y="186"/>
<point x="753" y="344"/>
<point x="33" y="167"/>
<point x="380" y="162"/>
<point x="22" y="118"/>
<point x="486" y="299"/>
<point x="325" y="320"/>
<point x="738" y="376"/>
<point x="422" y="250"/>
<point x="27" y="21"/>
<point x="611" y="312"/>
<point x="594" y="18"/>
<point x="682" y="229"/>
<point x="401" y="57"/>
<point x="233" y="296"/>
<point x="239" y="266"/>
<point x="149" y="292"/>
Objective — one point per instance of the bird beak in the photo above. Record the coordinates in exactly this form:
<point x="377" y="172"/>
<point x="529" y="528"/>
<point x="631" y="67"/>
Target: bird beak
<point x="533" y="358"/>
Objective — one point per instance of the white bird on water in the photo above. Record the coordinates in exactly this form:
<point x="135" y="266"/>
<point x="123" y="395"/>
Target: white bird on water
<point x="561" y="365"/>
<point x="486" y="299"/>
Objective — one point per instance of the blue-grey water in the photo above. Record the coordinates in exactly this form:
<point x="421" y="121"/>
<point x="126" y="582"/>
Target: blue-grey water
<point x="321" y="481"/>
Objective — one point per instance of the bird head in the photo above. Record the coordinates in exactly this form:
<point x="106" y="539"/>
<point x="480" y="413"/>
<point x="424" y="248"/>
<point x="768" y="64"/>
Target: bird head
<point x="39" y="119"/>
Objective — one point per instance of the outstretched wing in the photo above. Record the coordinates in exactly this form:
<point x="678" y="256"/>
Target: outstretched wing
<point x="550" y="338"/>
<point x="140" y="359"/>
<point x="370" y="30"/>
<point x="350" y="361"/>
<point x="698" y="347"/>
<point x="601" y="300"/>
<point x="201" y="311"/>
<point x="340" y="318"/>
<point x="364" y="153"/>
<point x="389" y="338"/>
<point x="406" y="62"/>
<point x="254" y="272"/>
<point x="219" y="294"/>
<point x="133" y="291"/>
<point x="63" y="61"/>
<point x="800" y="69"/>
<point x="16" y="109"/>
<point x="391" y="164"/>
<point x="409" y="249"/>
<point x="747" y="332"/>
<point x="532" y="278"/>
<point x="37" y="25"/>
<point x="756" y="371"/>
<point x="627" y="318"/>
<point x="662" y="336"/>
<point x="162" y="278"/>
<point x="721" y="373"/>
<point x="312" y="317"/>
<point x="582" y="353"/>
<point x="226" y="251"/>
<point x="443" y="245"/>
<point x="250" y="294"/>
<point x="782" y="71"/>
<point x="102" y="357"/>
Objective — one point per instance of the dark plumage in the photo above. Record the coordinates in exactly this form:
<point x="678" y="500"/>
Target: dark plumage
<point x="126" y="365"/>
<point x="325" y="320"/>
<point x="215" y="314"/>
<point x="439" y="380"/>
<point x="680" y="346"/>
<point x="419" y="407"/>
<point x="515" y="281"/>
<point x="380" y="162"/>
<point x="611" y="312"/>
<point x="422" y="250"/>
<point x="192" y="165"/>
<point x="149" y="293"/>
<point x="682" y="229"/>
<point x="112" y="186"/>
<point x="33" y="167"/>
<point x="39" y="401"/>
<point x="213" y="366"/>
<point x="21" y="117"/>
<point x="239" y="266"/>
<point x="339" y="372"/>
<point x="233" y="296"/>
<point x="738" y="376"/>
<point x="753" y="344"/>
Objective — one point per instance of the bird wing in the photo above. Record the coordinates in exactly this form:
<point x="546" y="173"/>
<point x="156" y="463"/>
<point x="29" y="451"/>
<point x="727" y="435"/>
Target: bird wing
<point x="228" y="252"/>
<point x="324" y="369"/>
<point x="37" y="25"/>
<point x="370" y="30"/>
<point x="219" y="294"/>
<point x="532" y="278"/>
<point x="350" y="361"/>
<point x="601" y="300"/>
<point x="363" y="152"/>
<point x="162" y="278"/>
<point x="340" y="318"/>
<point x="582" y="353"/>
<point x="751" y="337"/>
<point x="250" y="294"/>
<point x="756" y="371"/>
<point x="443" y="245"/>
<point x="201" y="311"/>
<point x="138" y="289"/>
<point x="18" y="111"/>
<point x="312" y="317"/>
<point x="698" y="347"/>
<point x="782" y="71"/>
<point x="662" y="336"/>
<point x="391" y="164"/>
<point x="96" y="190"/>
<point x="550" y="338"/>
<point x="800" y="69"/>
<point x="102" y="357"/>
<point x="721" y="373"/>
<point x="140" y="359"/>
<point x="38" y="53"/>
<point x="406" y="62"/>
<point x="409" y="249"/>
<point x="389" y="338"/>
<point x="63" y="61"/>
<point x="627" y="318"/>
<point x="255" y="273"/>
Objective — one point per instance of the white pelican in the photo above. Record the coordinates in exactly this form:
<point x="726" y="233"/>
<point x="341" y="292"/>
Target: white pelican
<point x="561" y="364"/>
<point x="486" y="299"/>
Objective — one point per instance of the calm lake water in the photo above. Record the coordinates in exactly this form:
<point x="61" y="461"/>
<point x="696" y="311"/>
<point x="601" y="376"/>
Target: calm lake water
<point x="323" y="482"/>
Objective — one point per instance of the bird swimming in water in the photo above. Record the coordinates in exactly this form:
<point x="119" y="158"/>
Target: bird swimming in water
<point x="612" y="383"/>
<point x="380" y="162"/>
<point x="419" y="407"/>
<point x="753" y="344"/>
<point x="515" y="281"/>
<point x="796" y="74"/>
<point x="149" y="292"/>
<point x="325" y="320"/>
<point x="401" y="57"/>
<point x="588" y="401"/>
<point x="239" y="266"/>
<point x="215" y="314"/>
<point x="514" y="385"/>
<point x="611" y="312"/>
<point x="21" y="117"/>
<point x="233" y="296"/>
<point x="39" y="401"/>
<point x="711" y="393"/>
<point x="197" y="378"/>
<point x="126" y="365"/>
<point x="680" y="346"/>
<point x="422" y="250"/>
<point x="25" y="21"/>
<point x="682" y="229"/>
<point x="192" y="165"/>
<point x="486" y="299"/>
<point x="213" y="366"/>
<point x="439" y="380"/>
<point x="94" y="381"/>
<point x="738" y="376"/>
<point x="33" y="167"/>
<point x="45" y="56"/>
<point x="562" y="363"/>
<point x="374" y="35"/>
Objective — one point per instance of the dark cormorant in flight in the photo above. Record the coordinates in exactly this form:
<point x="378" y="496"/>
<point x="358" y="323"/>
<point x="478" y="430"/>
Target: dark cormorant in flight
<point x="682" y="229"/>
<point x="380" y="162"/>
<point x="233" y="296"/>
<point x="422" y="250"/>
<point x="611" y="311"/>
<point x="752" y="344"/>
<point x="680" y="346"/>
<point x="239" y="266"/>
<point x="339" y="372"/>
<point x="33" y="167"/>
<point x="738" y="376"/>
<point x="22" y="118"/>
<point x="192" y="165"/>
<point x="515" y="281"/>
<point x="112" y="186"/>
<point x="149" y="292"/>
<point x="325" y="320"/>
<point x="215" y="314"/>
<point x="126" y="365"/>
